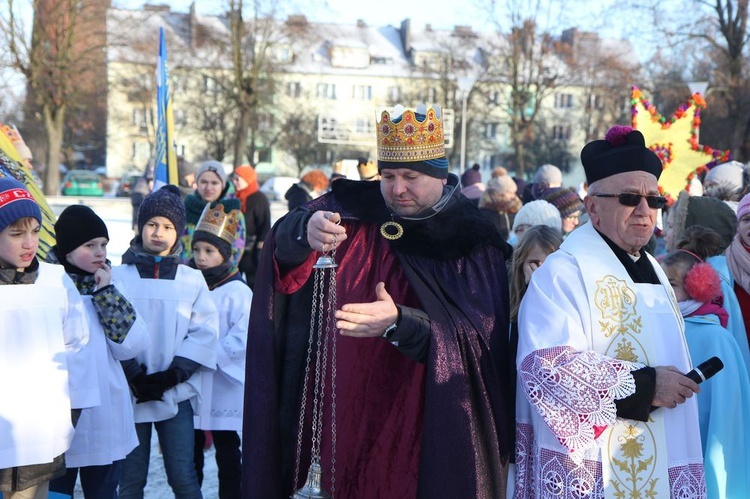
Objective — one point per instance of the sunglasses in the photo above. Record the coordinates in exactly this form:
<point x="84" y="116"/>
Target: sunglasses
<point x="630" y="199"/>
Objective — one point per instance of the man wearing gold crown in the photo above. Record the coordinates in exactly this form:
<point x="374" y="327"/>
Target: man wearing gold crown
<point x="423" y="391"/>
<point x="602" y="347"/>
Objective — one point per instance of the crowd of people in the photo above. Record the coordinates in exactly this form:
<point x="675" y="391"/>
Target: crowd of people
<point x="493" y="337"/>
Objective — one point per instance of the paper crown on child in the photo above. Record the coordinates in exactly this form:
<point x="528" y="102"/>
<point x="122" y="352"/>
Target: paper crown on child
<point x="412" y="139"/>
<point x="217" y="222"/>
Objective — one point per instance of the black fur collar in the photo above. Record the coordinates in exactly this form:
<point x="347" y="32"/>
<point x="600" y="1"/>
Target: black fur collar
<point x="454" y="232"/>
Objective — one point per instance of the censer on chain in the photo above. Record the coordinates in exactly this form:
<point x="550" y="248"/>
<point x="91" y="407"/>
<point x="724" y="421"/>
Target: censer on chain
<point x="319" y="359"/>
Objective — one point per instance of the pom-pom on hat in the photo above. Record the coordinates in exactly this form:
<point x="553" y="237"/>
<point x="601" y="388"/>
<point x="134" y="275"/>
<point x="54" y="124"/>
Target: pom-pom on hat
<point x="16" y="203"/>
<point x="622" y="150"/>
<point x="471" y="176"/>
<point x="702" y="283"/>
<point x="501" y="181"/>
<point x="566" y="201"/>
<point x="77" y="225"/>
<point x="211" y="166"/>
<point x="167" y="203"/>
<point x="538" y="212"/>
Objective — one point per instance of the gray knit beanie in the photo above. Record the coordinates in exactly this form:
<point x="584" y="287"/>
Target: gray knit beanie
<point x="211" y="166"/>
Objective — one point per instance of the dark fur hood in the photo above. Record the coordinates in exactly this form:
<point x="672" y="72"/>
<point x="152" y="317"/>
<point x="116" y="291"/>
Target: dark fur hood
<point x="454" y="232"/>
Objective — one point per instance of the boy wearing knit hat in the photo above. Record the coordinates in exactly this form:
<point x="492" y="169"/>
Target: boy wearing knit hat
<point x="105" y="434"/>
<point x="221" y="404"/>
<point x="165" y="379"/>
<point x="42" y="320"/>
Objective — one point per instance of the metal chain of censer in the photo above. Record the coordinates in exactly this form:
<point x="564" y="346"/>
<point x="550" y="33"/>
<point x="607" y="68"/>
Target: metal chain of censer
<point x="322" y="334"/>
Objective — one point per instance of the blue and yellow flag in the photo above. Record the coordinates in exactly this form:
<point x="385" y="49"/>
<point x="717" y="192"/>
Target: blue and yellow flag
<point x="165" y="156"/>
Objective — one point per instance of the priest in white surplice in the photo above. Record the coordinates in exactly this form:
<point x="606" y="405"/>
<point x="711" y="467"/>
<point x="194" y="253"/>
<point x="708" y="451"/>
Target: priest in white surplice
<point x="601" y="348"/>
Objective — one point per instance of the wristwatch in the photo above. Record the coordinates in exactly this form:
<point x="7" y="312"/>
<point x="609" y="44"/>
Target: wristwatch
<point x="390" y="330"/>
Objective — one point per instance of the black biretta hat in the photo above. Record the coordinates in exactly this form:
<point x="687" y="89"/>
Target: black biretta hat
<point x="622" y="150"/>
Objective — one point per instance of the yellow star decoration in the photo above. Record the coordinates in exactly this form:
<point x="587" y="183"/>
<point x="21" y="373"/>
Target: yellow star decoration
<point x="675" y="141"/>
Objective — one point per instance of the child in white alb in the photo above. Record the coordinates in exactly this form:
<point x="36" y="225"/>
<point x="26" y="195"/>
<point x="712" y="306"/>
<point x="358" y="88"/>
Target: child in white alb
<point x="104" y="434"/>
<point x="222" y="396"/>
<point x="166" y="378"/>
<point x="42" y="323"/>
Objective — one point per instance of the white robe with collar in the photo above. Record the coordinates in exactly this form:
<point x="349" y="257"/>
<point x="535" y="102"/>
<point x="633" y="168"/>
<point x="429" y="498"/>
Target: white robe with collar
<point x="584" y="325"/>
<point x="42" y="326"/>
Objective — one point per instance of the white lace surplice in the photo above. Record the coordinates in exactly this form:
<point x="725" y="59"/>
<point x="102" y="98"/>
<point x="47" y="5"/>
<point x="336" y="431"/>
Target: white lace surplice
<point x="581" y="334"/>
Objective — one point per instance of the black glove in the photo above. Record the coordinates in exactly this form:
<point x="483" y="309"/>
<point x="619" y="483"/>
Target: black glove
<point x="159" y="382"/>
<point x="142" y="391"/>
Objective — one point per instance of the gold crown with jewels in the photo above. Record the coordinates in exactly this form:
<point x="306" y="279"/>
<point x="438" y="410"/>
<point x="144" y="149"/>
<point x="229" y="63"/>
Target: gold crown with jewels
<point x="218" y="223"/>
<point x="416" y="135"/>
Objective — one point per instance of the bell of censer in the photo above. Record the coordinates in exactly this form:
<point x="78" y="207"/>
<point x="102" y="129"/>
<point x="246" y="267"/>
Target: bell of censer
<point x="312" y="488"/>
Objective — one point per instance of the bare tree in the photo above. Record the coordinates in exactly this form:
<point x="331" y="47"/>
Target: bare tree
<point x="252" y="46"/>
<point x="298" y="138"/>
<point x="63" y="54"/>
<point x="526" y="64"/>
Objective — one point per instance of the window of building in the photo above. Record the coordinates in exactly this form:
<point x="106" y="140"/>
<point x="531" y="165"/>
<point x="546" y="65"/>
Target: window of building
<point x="326" y="91"/>
<point x="325" y="156"/>
<point x="596" y="101"/>
<point x="210" y="86"/>
<point x="364" y="126"/>
<point x="362" y="92"/>
<point x="141" y="119"/>
<point x="493" y="97"/>
<point x="561" y="132"/>
<point x="430" y="95"/>
<point x="263" y="155"/>
<point x="394" y="93"/>
<point x="294" y="89"/>
<point x="283" y="53"/>
<point x="490" y="130"/>
<point x="563" y="100"/>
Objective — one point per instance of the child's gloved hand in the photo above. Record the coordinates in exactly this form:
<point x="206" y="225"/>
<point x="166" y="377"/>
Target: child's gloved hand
<point x="143" y="391"/>
<point x="153" y="386"/>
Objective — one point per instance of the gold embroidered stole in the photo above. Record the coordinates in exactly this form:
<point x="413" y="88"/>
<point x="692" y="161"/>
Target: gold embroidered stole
<point x="626" y="323"/>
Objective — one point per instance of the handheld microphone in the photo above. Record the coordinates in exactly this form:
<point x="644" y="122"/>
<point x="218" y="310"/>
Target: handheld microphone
<point x="705" y="370"/>
<point x="702" y="372"/>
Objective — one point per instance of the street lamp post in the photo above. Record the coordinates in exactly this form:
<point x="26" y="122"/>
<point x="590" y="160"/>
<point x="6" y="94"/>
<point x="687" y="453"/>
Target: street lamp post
<point x="465" y="84"/>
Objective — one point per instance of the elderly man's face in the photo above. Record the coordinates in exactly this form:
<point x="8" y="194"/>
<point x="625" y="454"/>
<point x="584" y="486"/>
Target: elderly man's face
<point x="408" y="192"/>
<point x="629" y="227"/>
